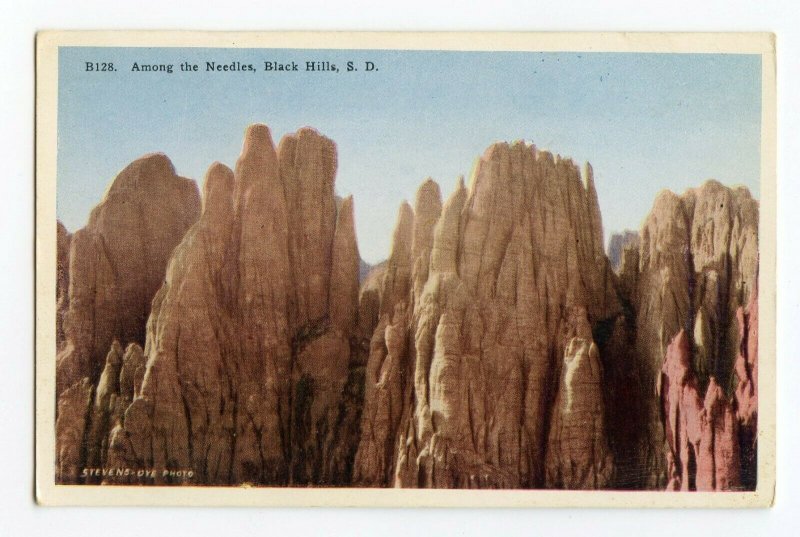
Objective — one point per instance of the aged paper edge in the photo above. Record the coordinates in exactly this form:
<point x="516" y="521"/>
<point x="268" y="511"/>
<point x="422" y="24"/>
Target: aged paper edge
<point x="48" y="493"/>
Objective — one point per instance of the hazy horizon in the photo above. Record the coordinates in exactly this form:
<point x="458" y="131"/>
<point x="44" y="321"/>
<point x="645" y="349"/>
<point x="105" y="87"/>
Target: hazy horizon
<point x="646" y="122"/>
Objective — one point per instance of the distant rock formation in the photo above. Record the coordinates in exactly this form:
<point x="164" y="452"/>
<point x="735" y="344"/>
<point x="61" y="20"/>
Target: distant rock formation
<point x="618" y="243"/>
<point x="477" y="301"/>
<point x="364" y="269"/>
<point x="117" y="263"/>
<point x="578" y="456"/>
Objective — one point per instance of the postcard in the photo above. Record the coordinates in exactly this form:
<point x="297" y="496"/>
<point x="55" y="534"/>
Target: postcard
<point x="405" y="269"/>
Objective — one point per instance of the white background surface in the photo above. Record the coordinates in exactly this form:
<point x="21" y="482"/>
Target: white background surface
<point x="18" y="513"/>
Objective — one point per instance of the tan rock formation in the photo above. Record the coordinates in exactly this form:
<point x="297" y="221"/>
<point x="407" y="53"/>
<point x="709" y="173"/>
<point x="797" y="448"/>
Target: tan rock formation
<point x="578" y="456"/>
<point x="117" y="263"/>
<point x="249" y="376"/>
<point x="119" y="382"/>
<point x="725" y="257"/>
<point x="307" y="165"/>
<point x="343" y="288"/>
<point x="509" y="257"/>
<point x="63" y="240"/>
<point x="105" y="394"/>
<point x="74" y="405"/>
<point x="369" y="302"/>
<point x="389" y="367"/>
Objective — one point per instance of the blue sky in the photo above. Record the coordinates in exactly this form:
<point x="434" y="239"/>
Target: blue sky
<point x="645" y="121"/>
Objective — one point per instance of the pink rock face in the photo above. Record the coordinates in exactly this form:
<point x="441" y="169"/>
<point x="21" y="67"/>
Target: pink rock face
<point x="719" y="469"/>
<point x="702" y="434"/>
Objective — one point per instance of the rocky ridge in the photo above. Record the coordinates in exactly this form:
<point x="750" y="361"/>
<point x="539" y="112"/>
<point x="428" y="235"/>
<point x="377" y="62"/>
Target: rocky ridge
<point x="496" y="347"/>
